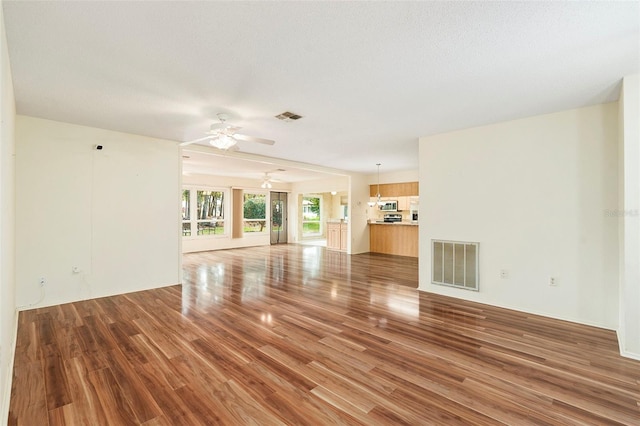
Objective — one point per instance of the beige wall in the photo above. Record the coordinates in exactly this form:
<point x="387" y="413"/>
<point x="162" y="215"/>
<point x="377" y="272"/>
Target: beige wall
<point x="358" y="214"/>
<point x="535" y="194"/>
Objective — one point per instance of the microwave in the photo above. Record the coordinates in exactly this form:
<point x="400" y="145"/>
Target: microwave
<point x="389" y="206"/>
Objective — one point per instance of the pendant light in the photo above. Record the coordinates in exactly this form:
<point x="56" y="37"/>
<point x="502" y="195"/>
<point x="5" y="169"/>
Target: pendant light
<point x="379" y="202"/>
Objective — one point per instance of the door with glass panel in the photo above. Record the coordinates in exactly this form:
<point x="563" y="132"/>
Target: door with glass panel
<point x="278" y="218"/>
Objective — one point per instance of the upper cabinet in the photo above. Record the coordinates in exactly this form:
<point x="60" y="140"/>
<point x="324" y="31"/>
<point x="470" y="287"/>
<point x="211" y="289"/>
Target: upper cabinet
<point x="404" y="189"/>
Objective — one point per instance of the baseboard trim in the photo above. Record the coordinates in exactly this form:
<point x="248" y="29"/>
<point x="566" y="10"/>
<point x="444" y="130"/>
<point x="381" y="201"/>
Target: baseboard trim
<point x="630" y="355"/>
<point x="623" y="352"/>
<point x="517" y="308"/>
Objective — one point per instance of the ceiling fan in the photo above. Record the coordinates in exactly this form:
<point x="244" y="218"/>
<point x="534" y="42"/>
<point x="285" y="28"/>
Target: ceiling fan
<point x="267" y="181"/>
<point x="223" y="136"/>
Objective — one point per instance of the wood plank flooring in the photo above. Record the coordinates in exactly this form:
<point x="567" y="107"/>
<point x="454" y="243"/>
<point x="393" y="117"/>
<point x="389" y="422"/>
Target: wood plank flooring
<point x="296" y="334"/>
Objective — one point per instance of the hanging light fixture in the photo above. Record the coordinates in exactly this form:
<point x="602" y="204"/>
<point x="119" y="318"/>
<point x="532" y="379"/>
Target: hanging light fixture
<point x="223" y="142"/>
<point x="266" y="183"/>
<point x="378" y="201"/>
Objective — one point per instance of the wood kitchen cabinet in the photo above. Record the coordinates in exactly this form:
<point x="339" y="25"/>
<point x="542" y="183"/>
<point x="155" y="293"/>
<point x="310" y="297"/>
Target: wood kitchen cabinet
<point x="407" y="203"/>
<point x="404" y="189"/>
<point x="344" y="236"/>
<point x="398" y="239"/>
<point x="403" y="203"/>
<point x="337" y="236"/>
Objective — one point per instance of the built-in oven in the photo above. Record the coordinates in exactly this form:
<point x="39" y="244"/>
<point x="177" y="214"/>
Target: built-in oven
<point x="389" y="206"/>
<point x="393" y="217"/>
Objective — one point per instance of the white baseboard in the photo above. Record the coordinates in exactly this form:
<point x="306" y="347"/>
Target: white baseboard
<point x="630" y="355"/>
<point x="515" y="308"/>
<point x="623" y="352"/>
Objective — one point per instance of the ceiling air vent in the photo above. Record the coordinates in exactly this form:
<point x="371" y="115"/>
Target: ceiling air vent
<point x="288" y="116"/>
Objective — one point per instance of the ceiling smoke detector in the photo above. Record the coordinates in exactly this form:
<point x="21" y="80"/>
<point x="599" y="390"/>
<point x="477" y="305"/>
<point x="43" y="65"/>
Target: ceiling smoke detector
<point x="288" y="116"/>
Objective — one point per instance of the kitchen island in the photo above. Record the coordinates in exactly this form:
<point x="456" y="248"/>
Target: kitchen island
<point x="399" y="238"/>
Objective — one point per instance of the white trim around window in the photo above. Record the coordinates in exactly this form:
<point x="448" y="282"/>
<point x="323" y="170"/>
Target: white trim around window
<point x="205" y="212"/>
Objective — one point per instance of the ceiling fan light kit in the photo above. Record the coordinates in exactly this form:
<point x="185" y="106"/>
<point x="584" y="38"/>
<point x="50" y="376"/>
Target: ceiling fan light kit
<point x="266" y="183"/>
<point x="223" y="142"/>
<point x="223" y="135"/>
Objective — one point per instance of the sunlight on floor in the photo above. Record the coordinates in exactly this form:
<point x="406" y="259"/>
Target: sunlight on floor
<point x="319" y="243"/>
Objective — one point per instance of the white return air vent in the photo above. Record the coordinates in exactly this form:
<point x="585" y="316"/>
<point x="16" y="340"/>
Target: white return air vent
<point x="455" y="264"/>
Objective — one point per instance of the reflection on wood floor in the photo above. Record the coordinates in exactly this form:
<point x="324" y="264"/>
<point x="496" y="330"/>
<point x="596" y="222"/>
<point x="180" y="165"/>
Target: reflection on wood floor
<point x="302" y="335"/>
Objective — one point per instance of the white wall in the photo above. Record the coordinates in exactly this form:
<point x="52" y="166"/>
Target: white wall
<point x="628" y="216"/>
<point x="534" y="193"/>
<point x="113" y="213"/>
<point x="7" y="224"/>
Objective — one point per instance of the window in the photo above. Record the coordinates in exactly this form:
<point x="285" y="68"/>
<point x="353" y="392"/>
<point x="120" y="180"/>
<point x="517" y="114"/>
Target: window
<point x="203" y="212"/>
<point x="311" y="215"/>
<point x="254" y="212"/>
<point x="210" y="219"/>
<point x="186" y="212"/>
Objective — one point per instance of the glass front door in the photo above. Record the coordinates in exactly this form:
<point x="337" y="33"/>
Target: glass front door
<point x="278" y="218"/>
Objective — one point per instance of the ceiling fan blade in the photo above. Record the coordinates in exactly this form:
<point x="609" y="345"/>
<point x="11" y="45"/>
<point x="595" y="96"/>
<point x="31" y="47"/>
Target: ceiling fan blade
<point x="253" y="139"/>
<point x="195" y="140"/>
<point x="219" y="128"/>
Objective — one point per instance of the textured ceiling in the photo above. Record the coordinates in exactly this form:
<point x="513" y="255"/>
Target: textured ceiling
<point x="369" y="78"/>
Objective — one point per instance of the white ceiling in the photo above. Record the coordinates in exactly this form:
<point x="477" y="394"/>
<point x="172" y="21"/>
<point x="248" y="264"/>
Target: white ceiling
<point x="199" y="161"/>
<point x="369" y="78"/>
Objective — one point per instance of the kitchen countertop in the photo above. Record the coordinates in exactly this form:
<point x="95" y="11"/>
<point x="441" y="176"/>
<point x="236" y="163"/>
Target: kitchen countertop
<point x="408" y="223"/>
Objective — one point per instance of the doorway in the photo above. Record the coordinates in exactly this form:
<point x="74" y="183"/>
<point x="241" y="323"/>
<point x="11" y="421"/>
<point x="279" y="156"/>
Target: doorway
<point x="278" y="217"/>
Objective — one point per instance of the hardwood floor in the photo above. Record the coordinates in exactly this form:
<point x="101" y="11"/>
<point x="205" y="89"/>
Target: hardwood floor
<point x="303" y="335"/>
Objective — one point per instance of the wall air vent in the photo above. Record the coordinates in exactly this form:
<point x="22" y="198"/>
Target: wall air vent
<point x="288" y="116"/>
<point x="455" y="264"/>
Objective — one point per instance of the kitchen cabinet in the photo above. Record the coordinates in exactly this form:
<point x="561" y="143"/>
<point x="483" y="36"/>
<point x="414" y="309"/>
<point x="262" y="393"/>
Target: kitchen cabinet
<point x="404" y="189"/>
<point x="337" y="236"/>
<point x="397" y="238"/>
<point x="403" y="203"/>
<point x="406" y="204"/>
<point x="344" y="236"/>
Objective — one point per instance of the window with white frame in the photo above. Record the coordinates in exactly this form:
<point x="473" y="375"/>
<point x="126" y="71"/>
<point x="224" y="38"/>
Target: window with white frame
<point x="311" y="217"/>
<point x="254" y="212"/>
<point x="203" y="212"/>
<point x="186" y="212"/>
<point x="210" y="219"/>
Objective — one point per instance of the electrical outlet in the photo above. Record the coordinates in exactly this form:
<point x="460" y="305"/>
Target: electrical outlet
<point x="504" y="274"/>
<point x="42" y="281"/>
<point x="553" y="281"/>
